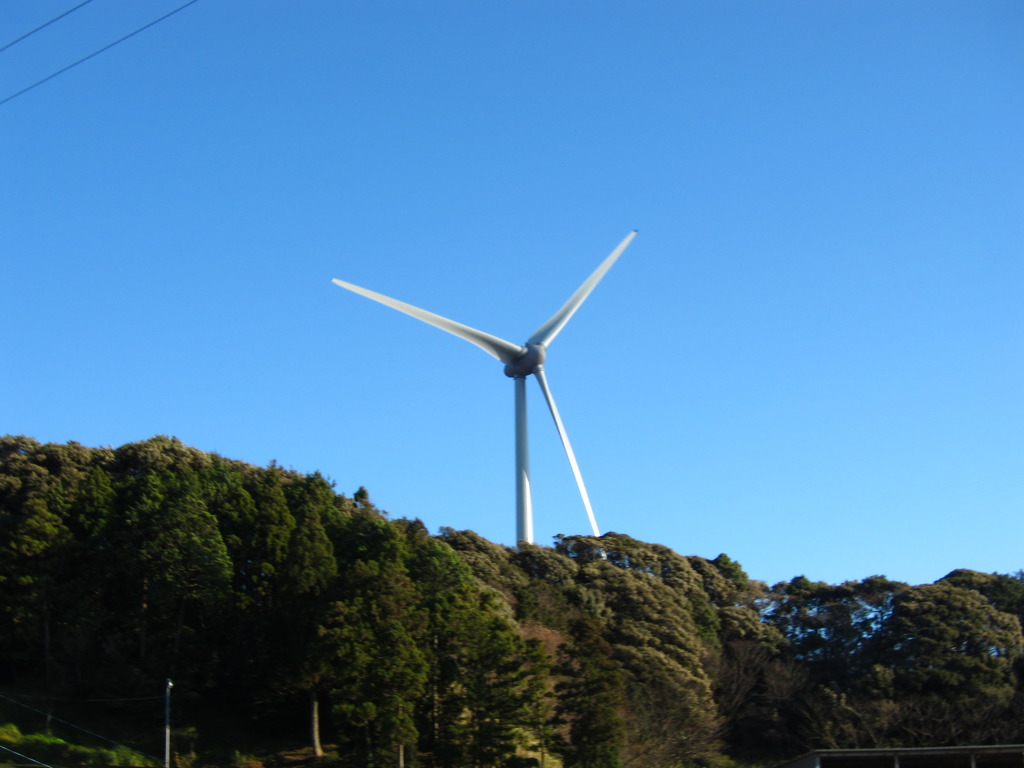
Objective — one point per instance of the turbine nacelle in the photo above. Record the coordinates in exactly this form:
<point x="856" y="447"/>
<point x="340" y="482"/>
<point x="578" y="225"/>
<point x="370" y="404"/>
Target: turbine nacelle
<point x="529" y="361"/>
<point x="520" y="361"/>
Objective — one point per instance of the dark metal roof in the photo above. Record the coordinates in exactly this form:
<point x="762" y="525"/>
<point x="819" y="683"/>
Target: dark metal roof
<point x="994" y="756"/>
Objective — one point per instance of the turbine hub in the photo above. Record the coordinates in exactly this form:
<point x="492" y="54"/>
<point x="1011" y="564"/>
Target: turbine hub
<point x="531" y="359"/>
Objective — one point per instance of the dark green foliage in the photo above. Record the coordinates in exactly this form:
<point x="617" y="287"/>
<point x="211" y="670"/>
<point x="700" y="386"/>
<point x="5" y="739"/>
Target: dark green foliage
<point x="885" y="663"/>
<point x="258" y="591"/>
<point x="1004" y="592"/>
<point x="591" y="699"/>
<point x="375" y="636"/>
<point x="261" y="592"/>
<point x="943" y="640"/>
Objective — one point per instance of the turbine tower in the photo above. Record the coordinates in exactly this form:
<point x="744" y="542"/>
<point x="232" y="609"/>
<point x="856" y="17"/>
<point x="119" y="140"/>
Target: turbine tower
<point x="520" y="361"/>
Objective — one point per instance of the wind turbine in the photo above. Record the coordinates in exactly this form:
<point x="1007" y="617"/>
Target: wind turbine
<point x="520" y="361"/>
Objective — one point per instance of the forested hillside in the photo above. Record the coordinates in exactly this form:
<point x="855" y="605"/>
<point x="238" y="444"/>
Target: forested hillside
<point x="287" y="615"/>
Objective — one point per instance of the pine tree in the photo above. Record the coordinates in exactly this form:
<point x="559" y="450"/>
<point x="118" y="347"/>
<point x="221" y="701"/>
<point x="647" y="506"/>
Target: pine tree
<point x="591" y="700"/>
<point x="375" y="637"/>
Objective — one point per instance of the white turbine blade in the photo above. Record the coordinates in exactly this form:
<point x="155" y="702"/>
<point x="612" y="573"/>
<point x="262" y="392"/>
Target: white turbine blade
<point x="505" y="351"/>
<point x="547" y="332"/>
<point x="542" y="380"/>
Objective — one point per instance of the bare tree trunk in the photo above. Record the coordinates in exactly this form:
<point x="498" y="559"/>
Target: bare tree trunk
<point x="314" y="720"/>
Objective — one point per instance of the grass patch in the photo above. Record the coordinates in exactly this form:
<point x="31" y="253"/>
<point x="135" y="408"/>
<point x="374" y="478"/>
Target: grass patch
<point x="52" y="749"/>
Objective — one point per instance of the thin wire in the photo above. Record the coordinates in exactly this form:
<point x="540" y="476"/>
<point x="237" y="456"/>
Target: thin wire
<point x="24" y="757"/>
<point x="44" y="26"/>
<point x="51" y="698"/>
<point x="80" y="728"/>
<point x="97" y="53"/>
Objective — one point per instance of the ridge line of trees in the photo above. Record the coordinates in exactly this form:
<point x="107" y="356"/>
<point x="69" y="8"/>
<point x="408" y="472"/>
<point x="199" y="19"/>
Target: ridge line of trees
<point x="272" y="600"/>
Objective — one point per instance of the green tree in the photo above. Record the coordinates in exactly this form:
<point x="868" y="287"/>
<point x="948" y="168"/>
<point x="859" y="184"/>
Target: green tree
<point x="310" y="571"/>
<point x="948" y="641"/>
<point x="186" y="568"/>
<point x="1005" y="592"/>
<point x="31" y="559"/>
<point x="374" y="634"/>
<point x="591" y="700"/>
<point x="949" y="660"/>
<point x="834" y="629"/>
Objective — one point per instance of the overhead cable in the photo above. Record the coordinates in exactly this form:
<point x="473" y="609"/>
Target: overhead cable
<point x="97" y="53"/>
<point x="51" y="716"/>
<point x="43" y="26"/>
<point x="79" y="701"/>
<point x="25" y="757"/>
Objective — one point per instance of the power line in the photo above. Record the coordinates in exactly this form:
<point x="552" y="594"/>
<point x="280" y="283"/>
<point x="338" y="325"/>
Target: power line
<point x="43" y="26"/>
<point x="25" y="757"/>
<point x="51" y="716"/>
<point x="79" y="701"/>
<point x="96" y="53"/>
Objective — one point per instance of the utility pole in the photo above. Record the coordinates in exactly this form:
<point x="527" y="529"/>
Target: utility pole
<point x="167" y="724"/>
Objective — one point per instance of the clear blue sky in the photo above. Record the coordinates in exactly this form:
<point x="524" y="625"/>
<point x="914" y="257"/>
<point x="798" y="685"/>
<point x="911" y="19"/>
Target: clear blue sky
<point x="809" y="359"/>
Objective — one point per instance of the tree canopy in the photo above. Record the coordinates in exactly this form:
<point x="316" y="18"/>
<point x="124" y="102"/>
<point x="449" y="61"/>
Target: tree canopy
<point x="273" y="601"/>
